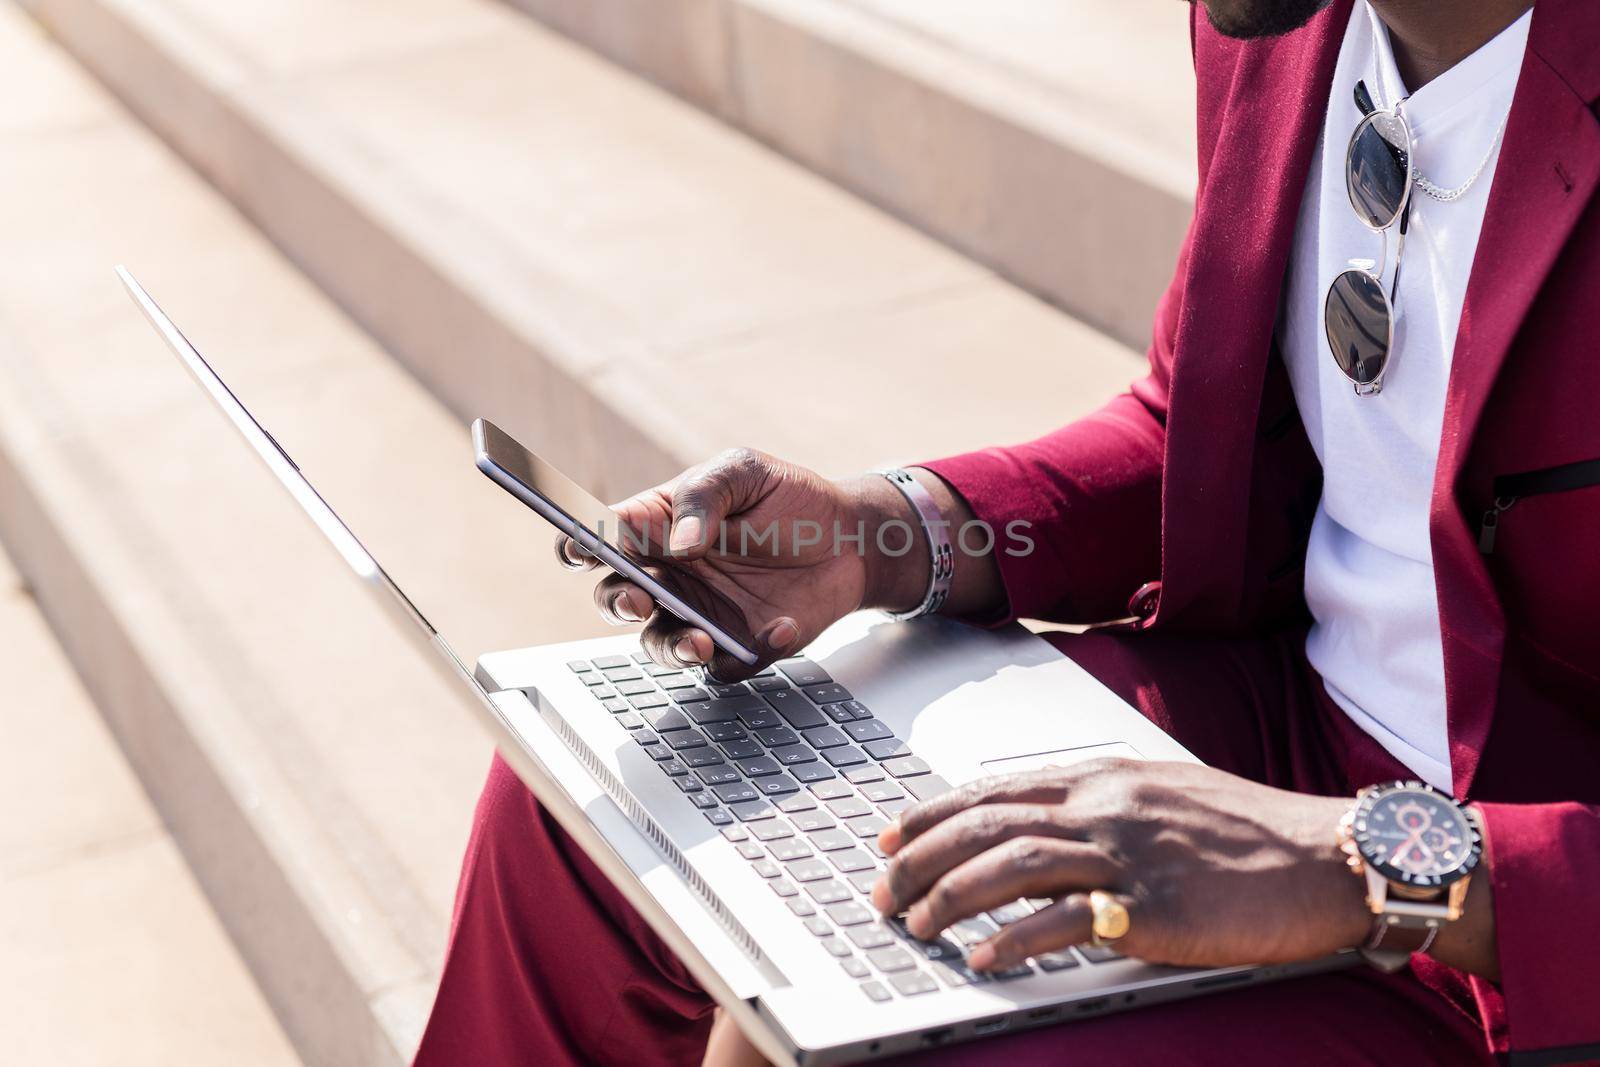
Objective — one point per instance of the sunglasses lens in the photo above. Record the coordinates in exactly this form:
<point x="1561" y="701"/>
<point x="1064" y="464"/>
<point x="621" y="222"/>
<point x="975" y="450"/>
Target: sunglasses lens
<point x="1377" y="168"/>
<point x="1357" y="319"/>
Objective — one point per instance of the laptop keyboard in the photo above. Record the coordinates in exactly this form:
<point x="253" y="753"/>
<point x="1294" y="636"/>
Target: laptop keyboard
<point x="799" y="777"/>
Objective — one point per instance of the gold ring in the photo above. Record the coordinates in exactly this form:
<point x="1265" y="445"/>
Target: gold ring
<point x="1111" y="919"/>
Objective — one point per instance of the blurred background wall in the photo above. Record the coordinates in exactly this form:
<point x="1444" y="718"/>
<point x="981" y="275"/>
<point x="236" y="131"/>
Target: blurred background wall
<point x="852" y="232"/>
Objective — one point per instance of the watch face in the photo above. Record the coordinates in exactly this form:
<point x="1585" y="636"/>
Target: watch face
<point x="1416" y="836"/>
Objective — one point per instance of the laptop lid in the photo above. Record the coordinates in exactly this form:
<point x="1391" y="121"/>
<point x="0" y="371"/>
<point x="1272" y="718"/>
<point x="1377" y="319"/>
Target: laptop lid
<point x="472" y="696"/>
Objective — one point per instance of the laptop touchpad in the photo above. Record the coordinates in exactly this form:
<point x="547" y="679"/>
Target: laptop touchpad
<point x="1062" y="757"/>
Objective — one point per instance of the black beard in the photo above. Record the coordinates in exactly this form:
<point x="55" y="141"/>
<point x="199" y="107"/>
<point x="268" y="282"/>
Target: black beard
<point x="1244" y="19"/>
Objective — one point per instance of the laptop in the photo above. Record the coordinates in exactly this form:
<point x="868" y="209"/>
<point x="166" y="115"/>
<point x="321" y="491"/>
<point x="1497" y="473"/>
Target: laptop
<point x="740" y="820"/>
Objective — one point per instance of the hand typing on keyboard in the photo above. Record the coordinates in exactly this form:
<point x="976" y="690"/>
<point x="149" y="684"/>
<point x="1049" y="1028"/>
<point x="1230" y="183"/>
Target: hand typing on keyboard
<point x="790" y="550"/>
<point x="1214" y="869"/>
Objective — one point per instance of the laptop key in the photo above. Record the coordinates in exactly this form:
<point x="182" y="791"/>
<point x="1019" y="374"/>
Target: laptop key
<point x="891" y="808"/>
<point x="766" y="868"/>
<point x="809" y="773"/>
<point x="770" y="830"/>
<point x="857" y="968"/>
<point x="616" y="705"/>
<point x="830" y="790"/>
<point x="744" y="748"/>
<point x="606" y="663"/>
<point x="819" y="926"/>
<point x="927" y="787"/>
<point x="579" y="666"/>
<point x="789" y="849"/>
<point x="722" y="774"/>
<point x="704" y="714"/>
<point x="705" y="756"/>
<point x="724" y="731"/>
<point x="648" y="700"/>
<point x="777" y="737"/>
<point x="656" y="670"/>
<point x="1055" y="961"/>
<point x="907" y="767"/>
<point x="763" y="719"/>
<point x="733" y="690"/>
<point x="851" y="861"/>
<point x="802" y="907"/>
<point x="912" y="983"/>
<point x="735" y="792"/>
<point x="688" y="785"/>
<point x="866" y="825"/>
<point x="783" y="887"/>
<point x="891" y="958"/>
<point x="849" y="807"/>
<point x="602" y="692"/>
<point x="593" y="680"/>
<point x="864" y="774"/>
<point x="767" y="685"/>
<point x="790" y="755"/>
<point x="718" y="816"/>
<point x="759" y="766"/>
<point x="825" y="737"/>
<point x="752" y="851"/>
<point x="623" y="674"/>
<point x="741" y="702"/>
<point x="703" y="801"/>
<point x="631" y="689"/>
<point x="873" y="936"/>
<point x="836" y="948"/>
<point x="797" y="802"/>
<point x="734" y="833"/>
<point x="830" y="840"/>
<point x="809" y="870"/>
<point x="657" y="751"/>
<point x="1099" y="953"/>
<point x="829" y="892"/>
<point x="956" y="974"/>
<point x="630" y="721"/>
<point x="863" y="881"/>
<point x="857" y="709"/>
<point x="802" y="671"/>
<point x="665" y="720"/>
<point x="777" y="786"/>
<point x="831" y="693"/>
<point x="808" y="821"/>
<point x="688" y="696"/>
<point x="850" y="913"/>
<point x="867" y="730"/>
<point x="876" y="992"/>
<point x="973" y="931"/>
<point x="882" y="791"/>
<point x="1021" y="970"/>
<point x="679" y="740"/>
<point x="1007" y="914"/>
<point x="674" y="768"/>
<point x="885" y="748"/>
<point x="846" y="756"/>
<point x="839" y="713"/>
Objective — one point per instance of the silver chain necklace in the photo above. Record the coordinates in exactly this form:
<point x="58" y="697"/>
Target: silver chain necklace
<point x="1417" y="177"/>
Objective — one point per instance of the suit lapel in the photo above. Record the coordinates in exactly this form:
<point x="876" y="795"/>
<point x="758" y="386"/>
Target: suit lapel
<point x="1243" y="232"/>
<point x="1548" y="170"/>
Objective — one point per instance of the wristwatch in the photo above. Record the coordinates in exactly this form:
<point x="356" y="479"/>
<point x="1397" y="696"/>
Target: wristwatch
<point x="1417" y="849"/>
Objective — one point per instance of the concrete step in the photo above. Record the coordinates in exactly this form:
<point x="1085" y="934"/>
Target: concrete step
<point x="1053" y="142"/>
<point x="108" y="950"/>
<point x="312" y="773"/>
<point x="595" y="265"/>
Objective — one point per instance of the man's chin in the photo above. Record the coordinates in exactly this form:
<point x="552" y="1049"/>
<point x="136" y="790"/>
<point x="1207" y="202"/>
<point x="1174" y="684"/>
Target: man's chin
<point x="1244" y="19"/>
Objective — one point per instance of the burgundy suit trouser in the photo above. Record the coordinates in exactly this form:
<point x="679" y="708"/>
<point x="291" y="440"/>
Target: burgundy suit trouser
<point x="549" y="966"/>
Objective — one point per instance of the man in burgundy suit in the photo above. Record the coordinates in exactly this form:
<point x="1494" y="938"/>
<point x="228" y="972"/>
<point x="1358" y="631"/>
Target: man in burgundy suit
<point x="1319" y="588"/>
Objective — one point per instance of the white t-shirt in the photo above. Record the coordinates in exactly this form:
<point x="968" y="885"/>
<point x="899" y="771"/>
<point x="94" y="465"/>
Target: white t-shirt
<point x="1369" y="567"/>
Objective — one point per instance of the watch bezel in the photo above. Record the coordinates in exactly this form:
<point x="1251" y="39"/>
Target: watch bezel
<point x="1363" y="839"/>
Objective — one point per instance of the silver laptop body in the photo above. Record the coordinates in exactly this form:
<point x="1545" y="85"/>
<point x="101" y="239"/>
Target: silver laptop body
<point x="763" y="897"/>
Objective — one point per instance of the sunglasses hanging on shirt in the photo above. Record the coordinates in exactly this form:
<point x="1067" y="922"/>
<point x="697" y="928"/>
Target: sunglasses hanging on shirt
<point x="1358" y="314"/>
<point x="1380" y="176"/>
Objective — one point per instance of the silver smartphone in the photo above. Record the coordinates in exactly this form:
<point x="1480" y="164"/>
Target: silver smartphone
<point x="596" y="529"/>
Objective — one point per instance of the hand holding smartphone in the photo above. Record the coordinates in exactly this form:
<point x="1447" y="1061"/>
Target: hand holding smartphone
<point x="597" y="530"/>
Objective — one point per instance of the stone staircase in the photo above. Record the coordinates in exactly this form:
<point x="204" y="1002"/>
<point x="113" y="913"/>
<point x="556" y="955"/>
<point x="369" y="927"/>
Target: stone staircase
<point x="380" y="218"/>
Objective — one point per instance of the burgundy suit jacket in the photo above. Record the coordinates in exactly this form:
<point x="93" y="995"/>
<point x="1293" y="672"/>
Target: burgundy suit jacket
<point x="1198" y="485"/>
